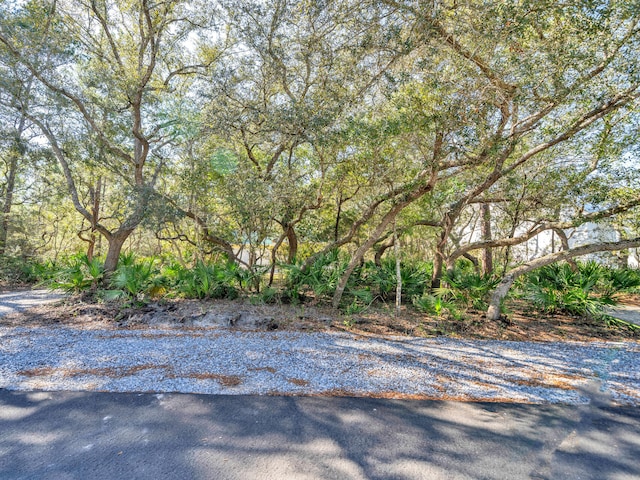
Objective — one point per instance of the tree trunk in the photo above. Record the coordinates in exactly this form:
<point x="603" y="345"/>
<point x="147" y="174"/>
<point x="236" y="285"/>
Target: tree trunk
<point x="8" y="201"/>
<point x="292" y="239"/>
<point x="564" y="241"/>
<point x="359" y="255"/>
<point x="487" y="254"/>
<point x="396" y="250"/>
<point x="438" y="263"/>
<point x="377" y="259"/>
<point x="336" y="227"/>
<point x="440" y="257"/>
<point x="116" y="242"/>
<point x="389" y="217"/>
<point x="95" y="216"/>
<point x="91" y="248"/>
<point x="498" y="295"/>
<point x="623" y="259"/>
<point x="474" y="261"/>
<point x="274" y="256"/>
<point x="16" y="152"/>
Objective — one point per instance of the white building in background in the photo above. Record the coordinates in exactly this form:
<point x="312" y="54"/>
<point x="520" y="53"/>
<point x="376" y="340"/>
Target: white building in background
<point x="549" y="242"/>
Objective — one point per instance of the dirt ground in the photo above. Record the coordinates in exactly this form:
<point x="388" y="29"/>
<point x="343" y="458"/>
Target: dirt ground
<point x="522" y="323"/>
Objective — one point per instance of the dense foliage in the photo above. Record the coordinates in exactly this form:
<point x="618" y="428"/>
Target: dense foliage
<point x="298" y="149"/>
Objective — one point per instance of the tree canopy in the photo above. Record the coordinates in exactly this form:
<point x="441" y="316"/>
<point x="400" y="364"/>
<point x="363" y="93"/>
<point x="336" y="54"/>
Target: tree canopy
<point x="277" y="131"/>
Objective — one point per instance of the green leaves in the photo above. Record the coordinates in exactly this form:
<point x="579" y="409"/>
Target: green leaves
<point x="204" y="281"/>
<point x="137" y="278"/>
<point x="584" y="291"/>
<point x="224" y="161"/>
<point x="321" y="277"/>
<point x="79" y="274"/>
<point x="470" y="289"/>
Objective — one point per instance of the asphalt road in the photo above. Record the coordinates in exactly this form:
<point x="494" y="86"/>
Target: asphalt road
<point x="75" y="435"/>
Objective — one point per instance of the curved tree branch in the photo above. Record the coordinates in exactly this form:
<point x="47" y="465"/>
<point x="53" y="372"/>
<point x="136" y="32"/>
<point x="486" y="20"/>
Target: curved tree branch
<point x="493" y="312"/>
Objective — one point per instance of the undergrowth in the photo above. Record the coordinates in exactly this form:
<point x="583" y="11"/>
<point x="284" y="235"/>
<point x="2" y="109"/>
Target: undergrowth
<point x="587" y="290"/>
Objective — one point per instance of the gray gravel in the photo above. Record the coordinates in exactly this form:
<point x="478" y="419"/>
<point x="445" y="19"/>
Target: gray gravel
<point x="221" y="361"/>
<point x="21" y="300"/>
<point x="628" y="313"/>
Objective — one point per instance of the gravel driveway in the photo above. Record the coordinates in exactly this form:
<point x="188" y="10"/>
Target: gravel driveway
<point x="20" y="300"/>
<point x="224" y="361"/>
<point x="221" y="361"/>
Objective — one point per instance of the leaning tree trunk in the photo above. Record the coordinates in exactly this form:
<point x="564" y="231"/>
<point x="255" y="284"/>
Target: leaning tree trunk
<point x="377" y="259"/>
<point x="564" y="241"/>
<point x="498" y="295"/>
<point x="440" y="259"/>
<point x="274" y="256"/>
<point x="359" y="254"/>
<point x="389" y="217"/>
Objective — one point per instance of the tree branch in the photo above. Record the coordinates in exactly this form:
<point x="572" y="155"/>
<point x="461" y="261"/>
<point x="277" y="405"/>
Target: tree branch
<point x="493" y="313"/>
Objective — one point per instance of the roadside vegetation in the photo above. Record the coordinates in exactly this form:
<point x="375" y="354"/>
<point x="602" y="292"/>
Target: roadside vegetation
<point x="454" y="159"/>
<point x="584" y="290"/>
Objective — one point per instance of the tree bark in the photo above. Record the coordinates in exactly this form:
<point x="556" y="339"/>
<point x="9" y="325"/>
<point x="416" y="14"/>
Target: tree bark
<point x="396" y="251"/>
<point x="498" y="295"/>
<point x="16" y="152"/>
<point x="408" y="198"/>
<point x="8" y="201"/>
<point x="292" y="240"/>
<point x="336" y="226"/>
<point x="438" y="263"/>
<point x="359" y="255"/>
<point x="95" y="216"/>
<point x="440" y="260"/>
<point x="399" y="194"/>
<point x="474" y="261"/>
<point x="274" y="256"/>
<point x="225" y="246"/>
<point x="564" y="242"/>
<point x="116" y="241"/>
<point x="534" y="231"/>
<point x="380" y="250"/>
<point x="487" y="254"/>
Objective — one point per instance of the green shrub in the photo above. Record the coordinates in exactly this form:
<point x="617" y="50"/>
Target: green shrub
<point x="379" y="282"/>
<point x="434" y="305"/>
<point x="42" y="272"/>
<point x="136" y="278"/>
<point x="78" y="273"/>
<point x="382" y="280"/>
<point x="584" y="291"/>
<point x="620" y="280"/>
<point x="467" y="289"/>
<point x="439" y="307"/>
<point x="357" y="300"/>
<point x="245" y="278"/>
<point x="205" y="281"/>
<point x="20" y="270"/>
<point x="321" y="277"/>
<point x="267" y="296"/>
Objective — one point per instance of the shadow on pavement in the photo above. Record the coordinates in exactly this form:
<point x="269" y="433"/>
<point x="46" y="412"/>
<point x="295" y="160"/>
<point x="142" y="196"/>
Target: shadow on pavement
<point x="74" y="435"/>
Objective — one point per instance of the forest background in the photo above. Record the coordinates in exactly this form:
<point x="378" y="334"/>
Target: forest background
<point x="351" y="151"/>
